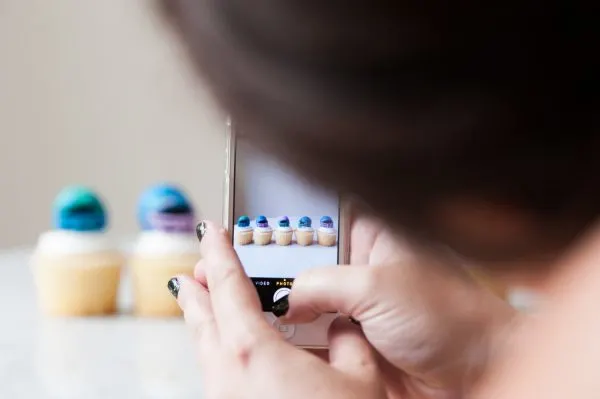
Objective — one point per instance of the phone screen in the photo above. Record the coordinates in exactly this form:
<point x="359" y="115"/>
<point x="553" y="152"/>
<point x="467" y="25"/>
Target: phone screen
<point x="282" y="225"/>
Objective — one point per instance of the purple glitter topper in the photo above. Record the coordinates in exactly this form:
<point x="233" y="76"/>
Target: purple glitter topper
<point x="178" y="223"/>
<point x="262" y="221"/>
<point x="326" y="222"/>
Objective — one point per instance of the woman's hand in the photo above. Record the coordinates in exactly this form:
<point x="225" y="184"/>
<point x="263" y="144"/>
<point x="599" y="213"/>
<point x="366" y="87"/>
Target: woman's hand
<point x="243" y="356"/>
<point x="433" y="326"/>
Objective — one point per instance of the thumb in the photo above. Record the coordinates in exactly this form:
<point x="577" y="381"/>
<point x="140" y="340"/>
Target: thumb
<point x="349" y="350"/>
<point x="344" y="289"/>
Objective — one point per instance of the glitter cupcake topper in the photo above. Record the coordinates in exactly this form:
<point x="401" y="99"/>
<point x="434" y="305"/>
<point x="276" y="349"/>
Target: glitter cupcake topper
<point x="165" y="208"/>
<point x="262" y="221"/>
<point x="79" y="209"/>
<point x="283" y="221"/>
<point x="305" y="221"/>
<point x="243" y="221"/>
<point x="326" y="222"/>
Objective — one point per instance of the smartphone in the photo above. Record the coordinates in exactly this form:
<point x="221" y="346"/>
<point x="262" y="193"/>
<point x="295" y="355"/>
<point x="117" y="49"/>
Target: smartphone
<point x="281" y="226"/>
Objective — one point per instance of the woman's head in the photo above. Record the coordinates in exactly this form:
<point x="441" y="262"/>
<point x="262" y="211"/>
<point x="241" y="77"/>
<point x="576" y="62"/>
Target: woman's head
<point x="470" y="124"/>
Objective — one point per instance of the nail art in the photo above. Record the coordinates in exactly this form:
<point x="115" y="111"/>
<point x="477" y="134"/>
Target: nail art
<point x="281" y="306"/>
<point x="200" y="230"/>
<point x="173" y="285"/>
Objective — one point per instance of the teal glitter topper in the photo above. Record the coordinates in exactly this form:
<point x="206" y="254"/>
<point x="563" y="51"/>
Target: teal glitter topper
<point x="283" y="221"/>
<point x="243" y="221"/>
<point x="78" y="208"/>
<point x="305" y="222"/>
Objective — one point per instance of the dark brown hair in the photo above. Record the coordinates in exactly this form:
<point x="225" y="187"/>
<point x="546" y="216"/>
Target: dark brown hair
<point x="405" y="104"/>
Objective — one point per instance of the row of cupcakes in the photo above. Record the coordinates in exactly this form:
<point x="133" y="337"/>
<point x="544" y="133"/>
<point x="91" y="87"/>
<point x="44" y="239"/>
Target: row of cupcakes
<point x="77" y="268"/>
<point x="262" y="233"/>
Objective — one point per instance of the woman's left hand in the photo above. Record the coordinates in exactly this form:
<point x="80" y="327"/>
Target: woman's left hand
<point x="243" y="356"/>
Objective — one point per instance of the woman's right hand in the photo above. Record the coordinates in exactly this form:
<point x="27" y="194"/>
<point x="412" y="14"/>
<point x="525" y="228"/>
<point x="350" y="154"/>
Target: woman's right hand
<point x="433" y="326"/>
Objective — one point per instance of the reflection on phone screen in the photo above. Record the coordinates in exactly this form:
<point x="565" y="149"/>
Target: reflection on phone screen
<point x="282" y="225"/>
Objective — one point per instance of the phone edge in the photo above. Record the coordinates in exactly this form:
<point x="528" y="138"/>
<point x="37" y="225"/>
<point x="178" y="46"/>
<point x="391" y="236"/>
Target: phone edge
<point x="229" y="176"/>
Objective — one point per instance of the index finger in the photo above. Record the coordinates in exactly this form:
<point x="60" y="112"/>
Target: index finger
<point x="236" y="305"/>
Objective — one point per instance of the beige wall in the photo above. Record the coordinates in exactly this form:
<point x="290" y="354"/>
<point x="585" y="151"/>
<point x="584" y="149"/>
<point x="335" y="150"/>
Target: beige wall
<point x="98" y="92"/>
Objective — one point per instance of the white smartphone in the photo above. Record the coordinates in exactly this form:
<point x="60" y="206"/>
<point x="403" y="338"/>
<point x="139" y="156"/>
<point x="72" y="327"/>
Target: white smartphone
<point x="281" y="225"/>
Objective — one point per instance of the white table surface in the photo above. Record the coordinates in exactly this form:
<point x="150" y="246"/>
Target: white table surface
<point x="88" y="358"/>
<point x="110" y="357"/>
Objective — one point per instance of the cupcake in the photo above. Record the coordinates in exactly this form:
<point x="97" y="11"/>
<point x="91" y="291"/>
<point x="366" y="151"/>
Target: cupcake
<point x="167" y="246"/>
<point x="305" y="233"/>
<point x="263" y="232"/>
<point x="283" y="231"/>
<point x="76" y="267"/>
<point x="326" y="234"/>
<point x="244" y="232"/>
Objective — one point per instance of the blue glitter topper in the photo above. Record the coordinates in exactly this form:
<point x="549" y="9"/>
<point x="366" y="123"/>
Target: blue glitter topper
<point x="164" y="207"/>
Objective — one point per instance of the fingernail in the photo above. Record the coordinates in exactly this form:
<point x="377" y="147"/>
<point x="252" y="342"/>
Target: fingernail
<point x="354" y="321"/>
<point x="173" y="285"/>
<point x="200" y="230"/>
<point x="281" y="306"/>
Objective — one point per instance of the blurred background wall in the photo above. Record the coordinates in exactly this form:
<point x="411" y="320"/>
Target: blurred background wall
<point x="98" y="93"/>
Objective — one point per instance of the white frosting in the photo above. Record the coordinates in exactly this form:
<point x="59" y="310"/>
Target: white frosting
<point x="264" y="229"/>
<point x="247" y="228"/>
<point x="159" y="243"/>
<point x="327" y="230"/>
<point x="307" y="229"/>
<point x="287" y="229"/>
<point x="66" y="242"/>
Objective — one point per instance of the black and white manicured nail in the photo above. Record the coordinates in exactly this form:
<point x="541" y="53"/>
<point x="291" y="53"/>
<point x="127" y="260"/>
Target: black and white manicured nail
<point x="281" y="306"/>
<point x="200" y="230"/>
<point x="174" y="285"/>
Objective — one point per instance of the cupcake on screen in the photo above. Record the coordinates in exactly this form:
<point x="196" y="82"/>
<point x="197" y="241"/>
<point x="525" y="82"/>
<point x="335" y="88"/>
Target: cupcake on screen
<point x="283" y="231"/>
<point x="263" y="233"/>
<point x="305" y="234"/>
<point x="76" y="267"/>
<point x="326" y="234"/>
<point x="244" y="233"/>
<point x="167" y="246"/>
